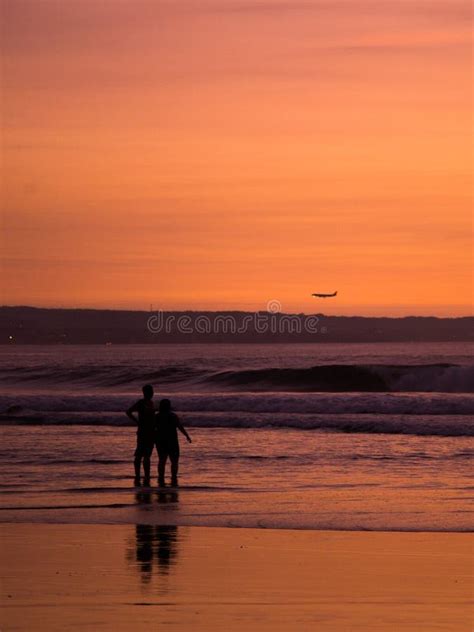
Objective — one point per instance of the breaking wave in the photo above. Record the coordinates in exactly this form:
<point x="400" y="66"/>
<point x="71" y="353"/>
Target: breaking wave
<point x="445" y="378"/>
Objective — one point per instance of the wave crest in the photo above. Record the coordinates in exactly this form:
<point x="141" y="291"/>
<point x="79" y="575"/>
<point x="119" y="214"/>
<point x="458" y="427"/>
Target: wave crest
<point x="446" y="378"/>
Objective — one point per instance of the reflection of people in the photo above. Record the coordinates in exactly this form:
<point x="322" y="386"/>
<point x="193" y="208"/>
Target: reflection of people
<point x="145" y="496"/>
<point x="155" y="544"/>
<point x="167" y="444"/>
<point x="166" y="537"/>
<point x="145" y="432"/>
<point x="144" y="550"/>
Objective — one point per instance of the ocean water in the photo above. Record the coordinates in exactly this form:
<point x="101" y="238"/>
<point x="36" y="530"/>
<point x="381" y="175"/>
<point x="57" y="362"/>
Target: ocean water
<point x="332" y="436"/>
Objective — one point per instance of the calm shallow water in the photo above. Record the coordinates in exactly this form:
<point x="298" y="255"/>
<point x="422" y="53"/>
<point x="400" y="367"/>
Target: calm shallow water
<point x="242" y="477"/>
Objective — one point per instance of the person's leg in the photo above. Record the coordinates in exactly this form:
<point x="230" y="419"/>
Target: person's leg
<point x="146" y="468"/>
<point x="158" y="455"/>
<point x="142" y="452"/>
<point x="162" y="457"/>
<point x="136" y="464"/>
<point x="174" y="458"/>
<point x="147" y="452"/>
<point x="138" y="459"/>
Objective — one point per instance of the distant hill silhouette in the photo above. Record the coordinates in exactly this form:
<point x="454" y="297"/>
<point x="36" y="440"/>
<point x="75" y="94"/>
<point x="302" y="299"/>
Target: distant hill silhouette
<point x="30" y="325"/>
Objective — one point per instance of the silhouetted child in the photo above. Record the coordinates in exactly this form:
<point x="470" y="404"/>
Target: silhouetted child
<point x="167" y="444"/>
<point x="145" y="432"/>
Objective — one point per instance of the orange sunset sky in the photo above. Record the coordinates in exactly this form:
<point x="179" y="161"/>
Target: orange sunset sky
<point x="216" y="154"/>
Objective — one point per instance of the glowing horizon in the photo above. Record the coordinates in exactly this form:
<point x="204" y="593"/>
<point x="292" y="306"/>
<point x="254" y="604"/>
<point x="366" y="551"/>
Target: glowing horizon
<point x="221" y="154"/>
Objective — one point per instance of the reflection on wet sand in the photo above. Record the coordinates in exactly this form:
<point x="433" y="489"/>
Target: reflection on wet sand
<point x="60" y="577"/>
<point x="146" y="496"/>
<point x="155" y="545"/>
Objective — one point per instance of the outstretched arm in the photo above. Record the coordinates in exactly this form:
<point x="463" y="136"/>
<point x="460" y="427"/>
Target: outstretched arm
<point x="182" y="429"/>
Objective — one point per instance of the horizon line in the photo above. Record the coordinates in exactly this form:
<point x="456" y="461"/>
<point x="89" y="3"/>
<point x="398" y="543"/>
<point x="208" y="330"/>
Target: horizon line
<point x="227" y="310"/>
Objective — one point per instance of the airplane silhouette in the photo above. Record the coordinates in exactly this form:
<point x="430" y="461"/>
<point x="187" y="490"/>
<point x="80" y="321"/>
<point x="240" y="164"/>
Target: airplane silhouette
<point x="325" y="295"/>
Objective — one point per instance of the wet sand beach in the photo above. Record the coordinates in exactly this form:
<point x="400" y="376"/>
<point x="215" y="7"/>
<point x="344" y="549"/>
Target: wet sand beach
<point x="142" y="577"/>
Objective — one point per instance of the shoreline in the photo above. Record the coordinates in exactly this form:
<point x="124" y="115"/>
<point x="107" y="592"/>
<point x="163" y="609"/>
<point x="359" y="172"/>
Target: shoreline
<point x="185" y="525"/>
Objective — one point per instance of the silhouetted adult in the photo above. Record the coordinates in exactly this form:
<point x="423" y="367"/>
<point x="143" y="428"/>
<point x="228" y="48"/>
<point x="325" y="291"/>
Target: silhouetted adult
<point x="145" y="408"/>
<point x="167" y="444"/>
